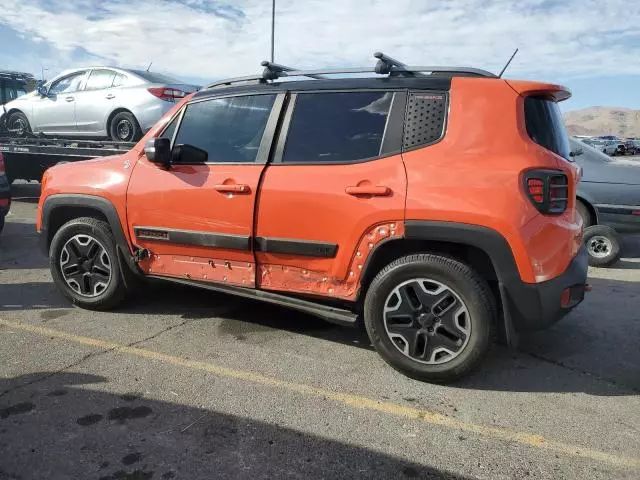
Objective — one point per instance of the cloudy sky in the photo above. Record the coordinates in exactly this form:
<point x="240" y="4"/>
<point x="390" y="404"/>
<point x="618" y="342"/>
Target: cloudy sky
<point x="593" y="46"/>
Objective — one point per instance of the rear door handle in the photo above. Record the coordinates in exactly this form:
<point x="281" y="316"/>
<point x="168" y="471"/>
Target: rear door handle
<point x="69" y="99"/>
<point x="368" y="190"/>
<point x="234" y="188"/>
<point x="110" y="96"/>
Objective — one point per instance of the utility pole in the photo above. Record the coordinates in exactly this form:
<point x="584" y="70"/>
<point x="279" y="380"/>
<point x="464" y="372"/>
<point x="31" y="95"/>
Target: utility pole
<point x="42" y="70"/>
<point x="273" y="27"/>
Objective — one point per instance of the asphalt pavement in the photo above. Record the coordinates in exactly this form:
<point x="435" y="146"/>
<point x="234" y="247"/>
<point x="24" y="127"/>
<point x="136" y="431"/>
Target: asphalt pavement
<point x="187" y="384"/>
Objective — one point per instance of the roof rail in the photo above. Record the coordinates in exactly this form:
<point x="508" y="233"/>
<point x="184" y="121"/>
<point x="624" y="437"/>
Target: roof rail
<point x="385" y="66"/>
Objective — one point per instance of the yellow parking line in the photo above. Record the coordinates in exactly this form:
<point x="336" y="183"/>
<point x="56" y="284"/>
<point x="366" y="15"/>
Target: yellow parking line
<point x="357" y="401"/>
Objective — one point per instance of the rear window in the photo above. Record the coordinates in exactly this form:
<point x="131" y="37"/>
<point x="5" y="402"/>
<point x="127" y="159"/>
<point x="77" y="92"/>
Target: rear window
<point x="155" y="77"/>
<point x="545" y="125"/>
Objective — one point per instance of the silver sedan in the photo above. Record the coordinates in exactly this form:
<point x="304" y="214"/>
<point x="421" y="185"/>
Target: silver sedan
<point x="95" y="102"/>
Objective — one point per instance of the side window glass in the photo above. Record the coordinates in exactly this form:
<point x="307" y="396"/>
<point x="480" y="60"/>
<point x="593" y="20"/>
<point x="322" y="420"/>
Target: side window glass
<point x="337" y="127"/>
<point x="119" y="80"/>
<point x="100" y="79"/>
<point x="228" y="129"/>
<point x="68" y="84"/>
<point x="171" y="128"/>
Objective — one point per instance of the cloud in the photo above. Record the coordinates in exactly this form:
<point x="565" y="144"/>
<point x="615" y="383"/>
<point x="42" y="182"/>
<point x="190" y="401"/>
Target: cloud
<point x="217" y="39"/>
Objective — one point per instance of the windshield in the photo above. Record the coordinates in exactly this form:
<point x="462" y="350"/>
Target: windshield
<point x="590" y="151"/>
<point x="155" y="77"/>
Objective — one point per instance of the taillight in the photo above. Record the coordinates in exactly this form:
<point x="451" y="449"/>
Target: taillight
<point x="2" y="170"/>
<point x="548" y="190"/>
<point x="168" y="94"/>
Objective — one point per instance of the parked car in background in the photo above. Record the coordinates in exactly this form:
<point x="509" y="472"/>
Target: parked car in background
<point x="632" y="147"/>
<point x="5" y="193"/>
<point x="608" y="201"/>
<point x="14" y="85"/>
<point x="96" y="102"/>
<point x="608" y="147"/>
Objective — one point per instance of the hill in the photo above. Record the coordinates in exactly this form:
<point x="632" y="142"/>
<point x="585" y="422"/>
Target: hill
<point x="623" y="122"/>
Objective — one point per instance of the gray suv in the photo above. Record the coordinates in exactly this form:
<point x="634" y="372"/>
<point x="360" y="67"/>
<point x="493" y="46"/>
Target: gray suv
<point x="96" y="102"/>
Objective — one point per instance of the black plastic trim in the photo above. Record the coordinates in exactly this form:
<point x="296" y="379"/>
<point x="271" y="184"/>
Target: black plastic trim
<point x="394" y="131"/>
<point x="191" y="237"/>
<point x="305" y="248"/>
<point x="331" y="314"/>
<point x="531" y="306"/>
<point x="618" y="210"/>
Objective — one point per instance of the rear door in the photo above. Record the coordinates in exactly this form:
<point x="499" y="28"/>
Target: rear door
<point x="335" y="189"/>
<point x="197" y="219"/>
<point x="95" y="102"/>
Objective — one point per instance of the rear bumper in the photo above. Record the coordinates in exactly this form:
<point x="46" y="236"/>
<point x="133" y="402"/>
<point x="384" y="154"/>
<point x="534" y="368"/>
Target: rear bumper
<point x="537" y="306"/>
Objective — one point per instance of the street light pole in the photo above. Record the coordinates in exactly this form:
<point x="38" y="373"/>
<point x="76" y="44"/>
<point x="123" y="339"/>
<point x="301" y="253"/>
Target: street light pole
<point x="273" y="27"/>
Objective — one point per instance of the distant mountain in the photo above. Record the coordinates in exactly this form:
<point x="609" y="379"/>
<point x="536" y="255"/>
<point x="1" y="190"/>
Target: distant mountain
<point x="623" y="122"/>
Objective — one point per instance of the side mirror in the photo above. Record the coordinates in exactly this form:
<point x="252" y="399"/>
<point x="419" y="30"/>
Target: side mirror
<point x="42" y="90"/>
<point x="189" y="154"/>
<point x="577" y="152"/>
<point x="158" y="151"/>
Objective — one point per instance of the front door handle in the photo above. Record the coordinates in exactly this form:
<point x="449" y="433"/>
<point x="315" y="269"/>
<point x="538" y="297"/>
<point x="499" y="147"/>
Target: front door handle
<point x="110" y="96"/>
<point x="233" y="188"/>
<point x="69" y="99"/>
<point x="376" y="191"/>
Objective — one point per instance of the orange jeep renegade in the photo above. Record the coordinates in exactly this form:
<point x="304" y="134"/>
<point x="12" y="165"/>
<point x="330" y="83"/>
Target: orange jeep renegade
<point x="437" y="204"/>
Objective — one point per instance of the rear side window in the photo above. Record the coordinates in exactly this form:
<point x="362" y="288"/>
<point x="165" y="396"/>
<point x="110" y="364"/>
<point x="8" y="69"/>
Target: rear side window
<point x="228" y="129"/>
<point x="100" y="79"/>
<point x="119" y="80"/>
<point x="545" y="125"/>
<point x="425" y="119"/>
<point x="337" y="127"/>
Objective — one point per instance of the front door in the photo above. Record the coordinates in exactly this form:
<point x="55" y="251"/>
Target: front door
<point x="197" y="219"/>
<point x="335" y="189"/>
<point x="56" y="113"/>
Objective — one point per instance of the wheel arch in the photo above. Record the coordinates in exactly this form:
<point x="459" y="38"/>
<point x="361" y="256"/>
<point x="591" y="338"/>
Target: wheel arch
<point x="592" y="210"/>
<point x="59" y="209"/>
<point x="483" y="249"/>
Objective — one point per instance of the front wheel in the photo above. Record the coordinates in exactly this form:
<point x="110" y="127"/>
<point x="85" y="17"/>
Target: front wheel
<point x="18" y="125"/>
<point x="430" y="317"/>
<point x="84" y="264"/>
<point x="602" y="245"/>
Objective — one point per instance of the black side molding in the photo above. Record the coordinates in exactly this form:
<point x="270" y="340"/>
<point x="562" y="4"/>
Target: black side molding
<point x="190" y="237"/>
<point x="305" y="248"/>
<point x="332" y="314"/>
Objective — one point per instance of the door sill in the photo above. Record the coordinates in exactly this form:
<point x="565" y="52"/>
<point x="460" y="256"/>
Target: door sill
<point x="335" y="315"/>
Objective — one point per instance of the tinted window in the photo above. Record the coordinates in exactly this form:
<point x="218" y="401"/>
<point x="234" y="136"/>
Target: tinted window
<point x="337" y="127"/>
<point x="545" y="125"/>
<point x="68" y="84"/>
<point x="155" y="77"/>
<point x="171" y="128"/>
<point x="100" y="79"/>
<point x="229" y="129"/>
<point x="121" y="79"/>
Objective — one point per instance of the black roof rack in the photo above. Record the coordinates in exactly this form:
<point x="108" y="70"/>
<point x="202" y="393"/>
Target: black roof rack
<point x="384" y="66"/>
<point x="11" y="75"/>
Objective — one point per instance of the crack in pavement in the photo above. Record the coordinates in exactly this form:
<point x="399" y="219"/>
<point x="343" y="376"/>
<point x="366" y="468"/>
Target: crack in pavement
<point x="587" y="373"/>
<point x="108" y="350"/>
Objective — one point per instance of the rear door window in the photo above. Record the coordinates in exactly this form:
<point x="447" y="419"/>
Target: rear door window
<point x="100" y="79"/>
<point x="545" y="125"/>
<point x="337" y="127"/>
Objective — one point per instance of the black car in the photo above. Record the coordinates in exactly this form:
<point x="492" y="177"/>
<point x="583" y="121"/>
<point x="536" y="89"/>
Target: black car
<point x="14" y="85"/>
<point x="608" y="200"/>
<point x="5" y="193"/>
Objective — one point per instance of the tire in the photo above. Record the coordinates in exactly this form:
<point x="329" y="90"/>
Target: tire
<point x="584" y="212"/>
<point x="18" y="121"/>
<point x="471" y="297"/>
<point x="124" y="128"/>
<point x="602" y="245"/>
<point x="92" y="241"/>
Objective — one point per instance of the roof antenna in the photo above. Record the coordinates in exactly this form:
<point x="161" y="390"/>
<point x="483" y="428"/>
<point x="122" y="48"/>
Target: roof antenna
<point x="508" y="63"/>
<point x="152" y="64"/>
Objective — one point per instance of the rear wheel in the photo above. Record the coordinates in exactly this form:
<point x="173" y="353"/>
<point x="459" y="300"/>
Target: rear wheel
<point x="430" y="317"/>
<point x="18" y="125"/>
<point x="124" y="128"/>
<point x="602" y="245"/>
<point x="84" y="264"/>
